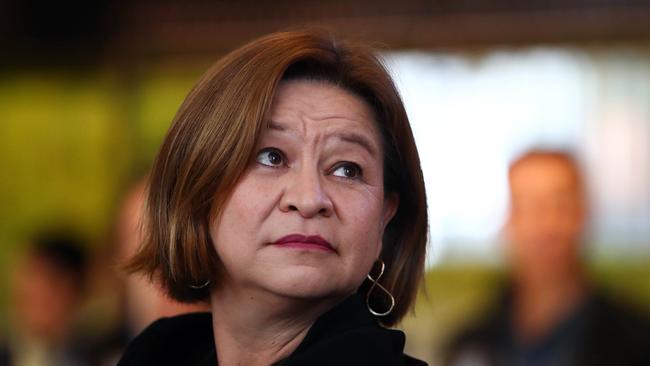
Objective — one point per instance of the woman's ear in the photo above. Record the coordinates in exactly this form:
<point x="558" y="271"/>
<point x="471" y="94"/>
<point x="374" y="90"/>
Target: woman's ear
<point x="391" y="203"/>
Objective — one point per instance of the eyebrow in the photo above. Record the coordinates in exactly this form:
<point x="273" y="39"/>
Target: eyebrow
<point x="349" y="137"/>
<point x="359" y="140"/>
<point x="272" y="125"/>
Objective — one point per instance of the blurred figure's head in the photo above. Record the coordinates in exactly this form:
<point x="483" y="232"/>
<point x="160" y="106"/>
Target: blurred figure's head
<point x="547" y="215"/>
<point x="49" y="286"/>
<point x="144" y="301"/>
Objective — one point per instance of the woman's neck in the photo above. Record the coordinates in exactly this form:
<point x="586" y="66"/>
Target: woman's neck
<point x="257" y="328"/>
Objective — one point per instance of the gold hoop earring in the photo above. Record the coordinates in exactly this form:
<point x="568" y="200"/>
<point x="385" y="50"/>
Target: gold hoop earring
<point x="375" y="283"/>
<point x="198" y="287"/>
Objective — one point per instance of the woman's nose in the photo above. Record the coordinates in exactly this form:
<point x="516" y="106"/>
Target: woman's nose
<point x="304" y="193"/>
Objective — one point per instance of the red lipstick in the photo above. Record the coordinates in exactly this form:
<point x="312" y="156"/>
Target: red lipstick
<point x="305" y="242"/>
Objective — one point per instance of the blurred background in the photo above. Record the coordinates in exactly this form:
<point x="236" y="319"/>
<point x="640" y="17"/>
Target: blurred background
<point x="88" y="89"/>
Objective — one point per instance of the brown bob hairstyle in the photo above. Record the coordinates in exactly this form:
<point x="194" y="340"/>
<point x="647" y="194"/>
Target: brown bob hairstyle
<point x="211" y="143"/>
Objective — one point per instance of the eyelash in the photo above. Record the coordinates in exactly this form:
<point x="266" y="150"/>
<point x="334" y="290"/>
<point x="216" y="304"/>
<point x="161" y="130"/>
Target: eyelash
<point x="343" y="164"/>
<point x="271" y="150"/>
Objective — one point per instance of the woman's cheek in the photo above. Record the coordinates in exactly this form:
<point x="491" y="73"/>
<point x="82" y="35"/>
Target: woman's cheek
<point x="254" y="193"/>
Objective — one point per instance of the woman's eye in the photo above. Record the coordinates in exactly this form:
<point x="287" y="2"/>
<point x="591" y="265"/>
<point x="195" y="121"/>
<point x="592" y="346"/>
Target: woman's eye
<point x="270" y="157"/>
<point x="347" y="170"/>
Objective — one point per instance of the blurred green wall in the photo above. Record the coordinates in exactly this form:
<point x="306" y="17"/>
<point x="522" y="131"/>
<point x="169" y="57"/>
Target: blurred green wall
<point x="71" y="143"/>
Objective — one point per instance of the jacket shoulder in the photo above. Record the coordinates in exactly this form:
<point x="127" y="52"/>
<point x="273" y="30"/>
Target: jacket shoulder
<point x="370" y="345"/>
<point x="184" y="339"/>
<point x="616" y="333"/>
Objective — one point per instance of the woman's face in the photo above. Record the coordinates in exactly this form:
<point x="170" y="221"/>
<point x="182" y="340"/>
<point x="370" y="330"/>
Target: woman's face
<point x="306" y="219"/>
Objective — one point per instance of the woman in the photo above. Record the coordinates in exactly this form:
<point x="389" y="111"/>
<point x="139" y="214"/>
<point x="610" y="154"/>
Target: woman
<point x="288" y="194"/>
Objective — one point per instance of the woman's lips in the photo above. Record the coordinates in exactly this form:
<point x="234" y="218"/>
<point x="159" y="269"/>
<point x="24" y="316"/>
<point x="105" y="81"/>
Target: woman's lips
<point x="305" y="242"/>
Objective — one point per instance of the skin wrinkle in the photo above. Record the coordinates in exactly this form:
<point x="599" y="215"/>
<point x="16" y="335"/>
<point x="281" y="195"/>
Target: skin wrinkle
<point x="345" y="136"/>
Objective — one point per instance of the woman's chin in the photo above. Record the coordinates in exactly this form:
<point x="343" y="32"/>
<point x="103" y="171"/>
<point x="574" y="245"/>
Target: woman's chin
<point x="308" y="284"/>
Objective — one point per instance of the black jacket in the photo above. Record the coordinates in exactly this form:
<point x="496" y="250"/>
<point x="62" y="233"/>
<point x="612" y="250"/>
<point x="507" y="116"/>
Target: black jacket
<point x="604" y="333"/>
<point x="346" y="335"/>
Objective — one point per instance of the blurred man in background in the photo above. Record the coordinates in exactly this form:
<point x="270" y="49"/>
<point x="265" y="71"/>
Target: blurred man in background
<point x="549" y="315"/>
<point x="47" y="294"/>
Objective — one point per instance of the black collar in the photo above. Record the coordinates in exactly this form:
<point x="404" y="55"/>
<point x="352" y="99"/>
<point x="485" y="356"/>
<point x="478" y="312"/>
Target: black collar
<point x="345" y="335"/>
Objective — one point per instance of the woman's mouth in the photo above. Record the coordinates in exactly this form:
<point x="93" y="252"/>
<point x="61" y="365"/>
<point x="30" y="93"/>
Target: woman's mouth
<point x="309" y="242"/>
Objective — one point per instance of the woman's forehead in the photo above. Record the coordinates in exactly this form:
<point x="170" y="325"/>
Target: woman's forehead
<point x="339" y="133"/>
<point x="304" y="106"/>
<point x="317" y="100"/>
